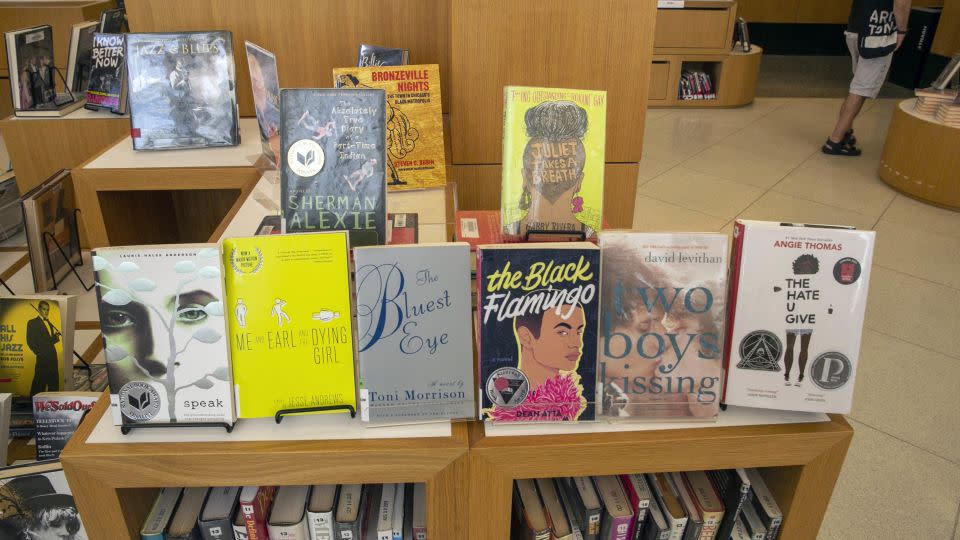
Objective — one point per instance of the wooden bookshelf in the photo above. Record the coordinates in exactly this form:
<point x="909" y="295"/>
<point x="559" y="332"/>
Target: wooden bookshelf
<point x="734" y="75"/>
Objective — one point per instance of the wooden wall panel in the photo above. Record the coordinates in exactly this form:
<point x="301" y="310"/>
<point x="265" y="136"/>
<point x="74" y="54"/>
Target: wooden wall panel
<point x="597" y="45"/>
<point x="809" y="11"/>
<point x="768" y="11"/>
<point x="947" y="40"/>
<point x="309" y="37"/>
<point x="823" y="11"/>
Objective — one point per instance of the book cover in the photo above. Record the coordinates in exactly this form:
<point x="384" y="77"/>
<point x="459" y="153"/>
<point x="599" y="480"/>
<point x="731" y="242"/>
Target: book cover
<point x="585" y="502"/>
<point x="553" y="159"/>
<point x="79" y="56"/>
<point x="754" y="527"/>
<point x="733" y="486"/>
<point x="663" y="307"/>
<point x="740" y="531"/>
<point x="161" y="315"/>
<point x="798" y="296"/>
<point x="369" y="511"/>
<point x="656" y="526"/>
<point x="562" y="529"/>
<point x="478" y="227"/>
<point x="184" y="525"/>
<point x="414" y="332"/>
<point x="268" y="225"/>
<point x="240" y="526"/>
<point x="639" y="494"/>
<point x="537" y="309"/>
<point x="107" y="77"/>
<point x="255" y="506"/>
<point x="533" y="521"/>
<point x="33" y="495"/>
<point x="578" y="527"/>
<point x="158" y="519"/>
<point x="46" y="214"/>
<point x="669" y="502"/>
<point x="375" y="55"/>
<point x="57" y="415"/>
<point x="348" y="515"/>
<point x="332" y="162"/>
<point x="618" y="520"/>
<point x="765" y="505"/>
<point x="288" y="515"/>
<point x="291" y="343"/>
<point x="385" y="511"/>
<point x="695" y="519"/>
<point x="706" y="499"/>
<point x="265" y="83"/>
<point x="414" y="128"/>
<point x="216" y="519"/>
<point x="36" y="355"/>
<point x="113" y="21"/>
<point x="182" y="90"/>
<point x="402" y="229"/>
<point x="320" y="508"/>
<point x="32" y="71"/>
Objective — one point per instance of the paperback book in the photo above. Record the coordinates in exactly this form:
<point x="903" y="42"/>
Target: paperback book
<point x="414" y="332"/>
<point x="182" y="90"/>
<point x="161" y="315"/>
<point x="38" y="501"/>
<point x="537" y="332"/>
<point x="553" y="160"/>
<point x="663" y="306"/>
<point x="291" y="342"/>
<point x="80" y="55"/>
<point x="50" y="227"/>
<point x="265" y="83"/>
<point x="798" y="297"/>
<point x="57" y="416"/>
<point x="36" y="344"/>
<point x="108" y="86"/>
<point x="414" y="128"/>
<point x="403" y="229"/>
<point x="332" y="162"/>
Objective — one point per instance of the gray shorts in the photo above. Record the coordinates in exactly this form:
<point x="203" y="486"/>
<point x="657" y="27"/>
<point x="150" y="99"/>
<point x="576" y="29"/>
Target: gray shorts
<point x="869" y="74"/>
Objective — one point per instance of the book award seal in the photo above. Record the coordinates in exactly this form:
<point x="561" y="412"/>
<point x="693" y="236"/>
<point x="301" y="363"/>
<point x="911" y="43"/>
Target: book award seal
<point x="139" y="401"/>
<point x="846" y="271"/>
<point x="760" y="350"/>
<point x="507" y="387"/>
<point x="246" y="260"/>
<point x="831" y="370"/>
<point x="305" y="158"/>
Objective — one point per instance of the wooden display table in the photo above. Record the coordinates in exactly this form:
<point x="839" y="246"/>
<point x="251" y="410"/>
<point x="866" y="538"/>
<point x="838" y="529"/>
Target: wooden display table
<point x="921" y="157"/>
<point x="172" y="196"/>
<point x="39" y="147"/>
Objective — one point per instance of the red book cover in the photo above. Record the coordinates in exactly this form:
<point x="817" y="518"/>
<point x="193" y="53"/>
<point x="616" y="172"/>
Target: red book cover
<point x="255" y="507"/>
<point x="733" y="286"/>
<point x="477" y="227"/>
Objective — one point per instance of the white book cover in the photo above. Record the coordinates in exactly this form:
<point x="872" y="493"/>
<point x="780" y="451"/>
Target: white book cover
<point x="799" y="293"/>
<point x="385" y="513"/>
<point x="398" y="506"/>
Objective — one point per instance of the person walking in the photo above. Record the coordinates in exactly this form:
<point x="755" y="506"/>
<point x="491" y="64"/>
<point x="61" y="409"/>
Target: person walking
<point x="875" y="30"/>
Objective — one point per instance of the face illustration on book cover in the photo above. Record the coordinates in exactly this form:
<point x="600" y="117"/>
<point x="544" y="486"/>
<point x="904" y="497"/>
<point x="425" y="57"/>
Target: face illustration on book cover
<point x="662" y="324"/>
<point x="37" y="76"/>
<point x="161" y="314"/>
<point x="266" y="97"/>
<point x="32" y="348"/>
<point x="554" y="139"/>
<point x="39" y="507"/>
<point x="538" y="336"/>
<point x="332" y="163"/>
<point x="107" y="71"/>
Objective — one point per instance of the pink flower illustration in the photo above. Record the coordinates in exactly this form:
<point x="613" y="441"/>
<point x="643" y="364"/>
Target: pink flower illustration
<point x="577" y="204"/>
<point x="557" y="399"/>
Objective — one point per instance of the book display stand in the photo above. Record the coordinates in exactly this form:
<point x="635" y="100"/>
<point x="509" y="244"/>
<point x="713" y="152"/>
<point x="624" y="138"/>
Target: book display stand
<point x="48" y="237"/>
<point x="327" y="408"/>
<point x="130" y="427"/>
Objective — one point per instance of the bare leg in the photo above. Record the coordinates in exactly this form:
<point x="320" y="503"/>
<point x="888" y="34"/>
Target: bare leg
<point x="848" y="112"/>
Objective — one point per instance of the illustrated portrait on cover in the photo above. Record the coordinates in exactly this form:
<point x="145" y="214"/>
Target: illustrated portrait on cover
<point x="31" y="331"/>
<point x="659" y="355"/>
<point x="34" y="508"/>
<point x="37" y="76"/>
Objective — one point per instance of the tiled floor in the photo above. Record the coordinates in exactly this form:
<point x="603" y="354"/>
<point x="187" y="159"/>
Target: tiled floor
<point x="702" y="169"/>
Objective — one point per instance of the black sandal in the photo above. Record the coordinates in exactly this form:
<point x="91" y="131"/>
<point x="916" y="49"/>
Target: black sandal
<point x="839" y="149"/>
<point x="849" y="138"/>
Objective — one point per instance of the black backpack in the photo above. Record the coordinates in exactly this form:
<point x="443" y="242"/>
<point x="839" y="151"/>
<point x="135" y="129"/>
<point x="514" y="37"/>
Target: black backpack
<point x="875" y="26"/>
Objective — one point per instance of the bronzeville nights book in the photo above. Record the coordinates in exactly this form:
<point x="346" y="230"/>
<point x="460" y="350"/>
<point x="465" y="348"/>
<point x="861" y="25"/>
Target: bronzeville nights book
<point x="333" y="161"/>
<point x="288" y="305"/>
<point x="661" y="324"/>
<point x="414" y="332"/>
<point x="553" y="162"/>
<point x="797" y="301"/>
<point x="162" y="319"/>
<point x="537" y="309"/>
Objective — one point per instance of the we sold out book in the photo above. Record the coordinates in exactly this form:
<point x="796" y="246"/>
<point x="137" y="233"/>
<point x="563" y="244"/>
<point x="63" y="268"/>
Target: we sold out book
<point x="288" y="306"/>
<point x="414" y="332"/>
<point x="661" y="325"/>
<point x="798" y="297"/>
<point x="537" y="330"/>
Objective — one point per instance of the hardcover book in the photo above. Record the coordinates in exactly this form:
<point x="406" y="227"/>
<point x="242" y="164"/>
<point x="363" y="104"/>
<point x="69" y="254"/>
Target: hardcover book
<point x="155" y="526"/>
<point x="553" y="159"/>
<point x="216" y="519"/>
<point x="706" y="500"/>
<point x="320" y="507"/>
<point x="36" y="352"/>
<point x="184" y="523"/>
<point x="798" y="296"/>
<point x="639" y="494"/>
<point x="332" y="162"/>
<point x="291" y="342"/>
<point x="161" y="315"/>
<point x="374" y="55"/>
<point x="585" y="502"/>
<point x="255" y="507"/>
<point x="663" y="308"/>
<point x="765" y="505"/>
<point x="113" y="21"/>
<point x="79" y="56"/>
<point x="478" y="227"/>
<point x="385" y="509"/>
<point x="402" y="229"/>
<point x="182" y="90"/>
<point x="265" y="83"/>
<point x="532" y="522"/>
<point x="733" y="486"/>
<point x="695" y="519"/>
<point x="288" y="515"/>
<point x="754" y="527"/>
<point x="420" y="511"/>
<point x="46" y="214"/>
<point x="57" y="415"/>
<point x="414" y="332"/>
<point x="348" y="515"/>
<point x="33" y="74"/>
<point x="414" y="129"/>
<point x="537" y="309"/>
<point x="668" y="500"/>
<point x="618" y="520"/>
<point x="34" y="496"/>
<point x="559" y="521"/>
<point x="107" y="88"/>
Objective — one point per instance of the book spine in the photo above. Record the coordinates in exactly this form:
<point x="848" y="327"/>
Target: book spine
<point x="216" y="530"/>
<point x="734" y="286"/>
<point x="254" y="521"/>
<point x="240" y="532"/>
<point x="711" y="523"/>
<point x="320" y="524"/>
<point x="619" y="528"/>
<point x="420" y="533"/>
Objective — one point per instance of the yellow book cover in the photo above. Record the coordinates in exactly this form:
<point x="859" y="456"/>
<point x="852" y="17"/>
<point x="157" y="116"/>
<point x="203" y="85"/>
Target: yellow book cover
<point x="414" y="128"/>
<point x="291" y="341"/>
<point x="36" y="354"/>
<point x="553" y="157"/>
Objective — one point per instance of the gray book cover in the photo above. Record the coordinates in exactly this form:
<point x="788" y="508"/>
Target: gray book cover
<point x="414" y="339"/>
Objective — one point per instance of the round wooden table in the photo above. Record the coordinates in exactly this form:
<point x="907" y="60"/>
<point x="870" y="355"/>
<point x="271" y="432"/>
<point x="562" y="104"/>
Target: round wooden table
<point x="921" y="157"/>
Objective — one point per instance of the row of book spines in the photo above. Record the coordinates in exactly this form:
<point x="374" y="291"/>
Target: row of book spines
<point x="716" y="505"/>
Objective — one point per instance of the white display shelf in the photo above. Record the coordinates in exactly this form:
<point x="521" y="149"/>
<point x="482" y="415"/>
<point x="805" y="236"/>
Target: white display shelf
<point x="123" y="156"/>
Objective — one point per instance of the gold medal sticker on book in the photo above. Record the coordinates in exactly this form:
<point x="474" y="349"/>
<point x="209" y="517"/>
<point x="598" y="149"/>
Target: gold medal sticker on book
<point x="288" y="304"/>
<point x="553" y="159"/>
<point x="414" y="128"/>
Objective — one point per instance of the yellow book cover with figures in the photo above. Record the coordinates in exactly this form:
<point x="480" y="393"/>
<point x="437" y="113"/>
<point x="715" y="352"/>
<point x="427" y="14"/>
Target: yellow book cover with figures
<point x="414" y="130"/>
<point x="291" y="340"/>
<point x="553" y="158"/>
